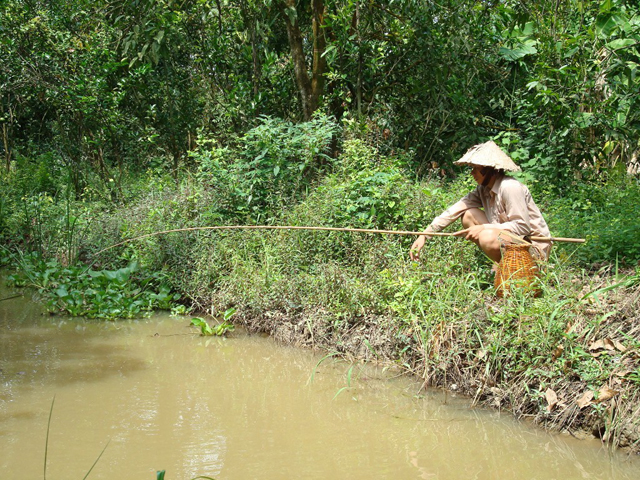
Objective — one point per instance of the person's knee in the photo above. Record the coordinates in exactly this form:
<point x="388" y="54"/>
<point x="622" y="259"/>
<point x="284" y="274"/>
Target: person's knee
<point x="467" y="219"/>
<point x="473" y="216"/>
<point x="489" y="242"/>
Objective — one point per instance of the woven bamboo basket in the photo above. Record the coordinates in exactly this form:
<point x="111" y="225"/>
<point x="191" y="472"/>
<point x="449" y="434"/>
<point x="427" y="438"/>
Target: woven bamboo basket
<point x="517" y="269"/>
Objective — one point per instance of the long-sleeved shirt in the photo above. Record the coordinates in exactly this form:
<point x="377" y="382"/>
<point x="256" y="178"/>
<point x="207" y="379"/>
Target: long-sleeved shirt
<point x="508" y="205"/>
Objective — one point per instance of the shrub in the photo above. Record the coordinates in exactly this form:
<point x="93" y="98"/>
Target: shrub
<point x="273" y="165"/>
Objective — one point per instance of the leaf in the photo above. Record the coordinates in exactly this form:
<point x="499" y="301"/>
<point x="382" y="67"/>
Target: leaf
<point x="552" y="399"/>
<point x="607" y="23"/>
<point x="621" y="43"/>
<point x="205" y="329"/>
<point x="339" y="392"/>
<point x="619" y="346"/>
<point x="62" y="292"/>
<point x="534" y="84"/>
<point x="262" y="154"/>
<point x="276" y="170"/>
<point x="229" y="313"/>
<point x="557" y="353"/>
<point x="110" y="274"/>
<point x="606" y="6"/>
<point x="511" y="55"/>
<point x="328" y="49"/>
<point x="606" y="393"/>
<point x="585" y="399"/>
<point x="122" y="275"/>
<point x="602" y="344"/>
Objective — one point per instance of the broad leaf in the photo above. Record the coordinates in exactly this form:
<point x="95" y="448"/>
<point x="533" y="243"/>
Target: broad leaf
<point x="512" y="55"/>
<point x="607" y="23"/>
<point x="621" y="43"/>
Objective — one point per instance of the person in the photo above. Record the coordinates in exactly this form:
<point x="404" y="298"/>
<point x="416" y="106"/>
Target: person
<point x="497" y="210"/>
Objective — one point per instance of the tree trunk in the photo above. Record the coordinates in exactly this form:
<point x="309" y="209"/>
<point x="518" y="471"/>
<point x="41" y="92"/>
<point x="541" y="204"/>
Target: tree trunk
<point x="311" y="88"/>
<point x="7" y="151"/>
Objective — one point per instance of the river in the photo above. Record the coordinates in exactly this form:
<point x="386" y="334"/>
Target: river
<point x="161" y="397"/>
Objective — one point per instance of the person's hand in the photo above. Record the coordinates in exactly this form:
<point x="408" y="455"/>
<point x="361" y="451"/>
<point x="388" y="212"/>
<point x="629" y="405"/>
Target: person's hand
<point x="414" y="253"/>
<point x="471" y="233"/>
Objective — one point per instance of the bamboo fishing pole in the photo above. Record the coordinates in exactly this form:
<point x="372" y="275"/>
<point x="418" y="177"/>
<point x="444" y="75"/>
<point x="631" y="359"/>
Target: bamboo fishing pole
<point x="328" y="229"/>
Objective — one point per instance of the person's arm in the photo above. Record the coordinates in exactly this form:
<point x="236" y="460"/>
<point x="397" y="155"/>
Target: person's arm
<point x="446" y="218"/>
<point x="455" y="211"/>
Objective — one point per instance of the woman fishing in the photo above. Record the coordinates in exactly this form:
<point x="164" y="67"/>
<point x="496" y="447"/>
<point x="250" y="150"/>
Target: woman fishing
<point x="497" y="209"/>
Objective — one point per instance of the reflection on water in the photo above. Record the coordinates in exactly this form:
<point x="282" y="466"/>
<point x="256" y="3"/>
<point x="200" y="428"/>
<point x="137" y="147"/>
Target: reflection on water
<point x="242" y="408"/>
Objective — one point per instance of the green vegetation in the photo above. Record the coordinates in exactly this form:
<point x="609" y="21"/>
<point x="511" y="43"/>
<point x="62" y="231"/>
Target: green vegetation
<point x="218" y="330"/>
<point x="122" y="119"/>
<point x="108" y="294"/>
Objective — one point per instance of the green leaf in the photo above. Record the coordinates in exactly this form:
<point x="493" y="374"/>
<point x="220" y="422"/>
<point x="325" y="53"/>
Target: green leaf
<point x="606" y="5"/>
<point x="512" y="55"/>
<point x="229" y="313"/>
<point x="122" y="276"/>
<point x="109" y="274"/>
<point x="621" y="43"/>
<point x="205" y="329"/>
<point x="608" y="22"/>
<point x="62" y="292"/>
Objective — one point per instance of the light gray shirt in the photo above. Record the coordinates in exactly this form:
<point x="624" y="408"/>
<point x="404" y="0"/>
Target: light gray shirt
<point x="508" y="206"/>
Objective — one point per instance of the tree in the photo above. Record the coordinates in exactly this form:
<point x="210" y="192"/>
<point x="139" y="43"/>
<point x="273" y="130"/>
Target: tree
<point x="310" y="87"/>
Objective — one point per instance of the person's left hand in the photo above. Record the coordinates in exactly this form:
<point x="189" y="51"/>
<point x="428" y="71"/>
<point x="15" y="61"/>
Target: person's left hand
<point x="471" y="233"/>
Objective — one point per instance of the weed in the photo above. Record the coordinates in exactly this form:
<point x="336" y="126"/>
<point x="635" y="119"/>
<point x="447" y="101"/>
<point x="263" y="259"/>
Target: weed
<point x="218" y="330"/>
<point x="107" y="294"/>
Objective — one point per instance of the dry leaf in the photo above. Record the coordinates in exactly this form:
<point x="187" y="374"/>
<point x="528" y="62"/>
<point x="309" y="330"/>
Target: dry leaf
<point x="619" y="346"/>
<point x="557" y="353"/>
<point x="585" y="399"/>
<point x="601" y="344"/>
<point x="597" y="345"/>
<point x="552" y="399"/>
<point x="606" y="393"/>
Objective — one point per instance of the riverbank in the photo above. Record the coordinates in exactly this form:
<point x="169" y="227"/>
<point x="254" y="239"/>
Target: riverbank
<point x="573" y="368"/>
<point x="567" y="361"/>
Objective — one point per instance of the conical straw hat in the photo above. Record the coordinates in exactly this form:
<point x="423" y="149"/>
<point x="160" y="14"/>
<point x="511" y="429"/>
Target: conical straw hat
<point x="488" y="154"/>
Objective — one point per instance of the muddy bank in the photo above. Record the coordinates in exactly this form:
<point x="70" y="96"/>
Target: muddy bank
<point x="606" y="331"/>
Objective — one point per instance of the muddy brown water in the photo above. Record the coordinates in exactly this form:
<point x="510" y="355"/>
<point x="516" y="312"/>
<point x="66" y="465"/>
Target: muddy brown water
<point x="243" y="407"/>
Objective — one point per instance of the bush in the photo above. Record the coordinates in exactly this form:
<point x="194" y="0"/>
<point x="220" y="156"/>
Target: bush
<point x="272" y="166"/>
<point x="605" y="214"/>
